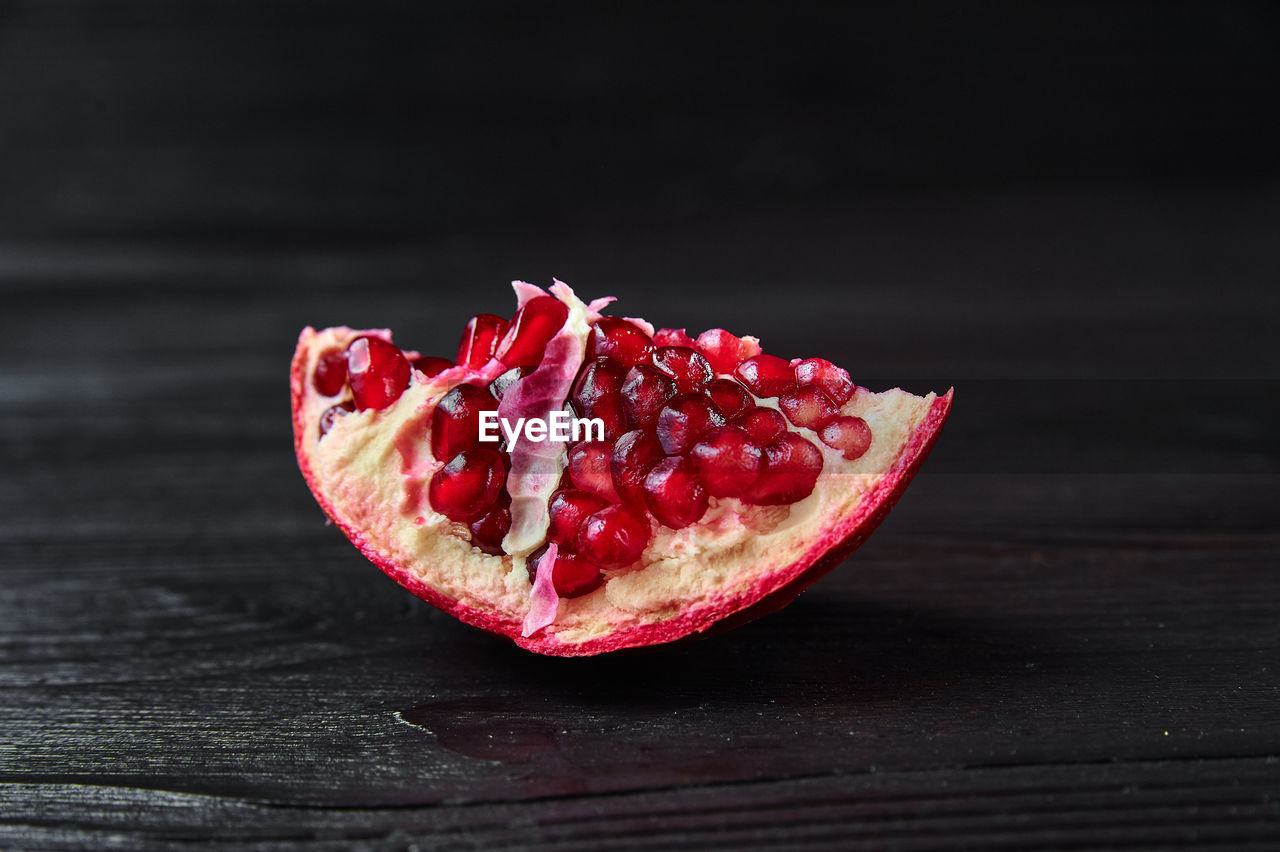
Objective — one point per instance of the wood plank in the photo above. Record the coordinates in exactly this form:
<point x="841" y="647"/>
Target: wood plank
<point x="1226" y="802"/>
<point x="1065" y="635"/>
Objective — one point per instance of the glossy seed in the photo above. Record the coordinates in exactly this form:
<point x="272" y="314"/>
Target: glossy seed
<point x="624" y="342"/>
<point x="330" y="375"/>
<point x="614" y="537"/>
<point x="531" y="329"/>
<point x="850" y="435"/>
<point x="766" y="375"/>
<point x="684" y="420"/>
<point x="480" y="339"/>
<point x="674" y="493"/>
<point x="377" y="371"/>
<point x="808" y="407"/>
<point x="468" y="485"/>
<point x="728" y="461"/>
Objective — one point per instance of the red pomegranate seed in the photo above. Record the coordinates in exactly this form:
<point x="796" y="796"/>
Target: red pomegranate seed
<point x="532" y="560"/>
<point x="767" y="375"/>
<point x="850" y="435"/>
<point x="634" y="456"/>
<point x="332" y="414"/>
<point x="724" y="350"/>
<point x="672" y="337"/>
<point x="684" y="420"/>
<point x="568" y="509"/>
<point x="330" y="376"/>
<point x="499" y="386"/>
<point x="455" y="424"/>
<point x="791" y="470"/>
<point x="531" y="329"/>
<point x="832" y="380"/>
<point x="614" y="537"/>
<point x="430" y="365"/>
<point x="728" y="461"/>
<point x="480" y="338"/>
<point x="589" y="469"/>
<point x="764" y="425"/>
<point x="597" y="392"/>
<point x="808" y="407"/>
<point x="644" y="392"/>
<point x="687" y="368"/>
<point x="379" y="372"/>
<point x="488" y="531"/>
<point x="573" y="576"/>
<point x="625" y="342"/>
<point x="468" y="485"/>
<point x="730" y="396"/>
<point x="674" y="494"/>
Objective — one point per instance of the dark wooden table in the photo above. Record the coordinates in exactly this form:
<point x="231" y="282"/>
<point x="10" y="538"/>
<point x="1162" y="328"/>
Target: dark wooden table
<point x="1066" y="635"/>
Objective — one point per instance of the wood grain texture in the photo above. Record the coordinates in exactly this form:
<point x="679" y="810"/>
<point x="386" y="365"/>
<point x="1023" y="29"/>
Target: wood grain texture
<point x="1067" y="635"/>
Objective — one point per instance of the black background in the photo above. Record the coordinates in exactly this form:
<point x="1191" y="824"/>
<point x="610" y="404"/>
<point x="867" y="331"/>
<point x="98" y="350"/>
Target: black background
<point x="306" y="121"/>
<point x="1066" y="633"/>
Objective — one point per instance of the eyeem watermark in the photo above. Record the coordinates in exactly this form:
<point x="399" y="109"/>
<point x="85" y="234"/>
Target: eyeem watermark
<point x="561" y="427"/>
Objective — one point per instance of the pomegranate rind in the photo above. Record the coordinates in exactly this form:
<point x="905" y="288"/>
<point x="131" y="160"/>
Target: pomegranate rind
<point x="771" y="587"/>
<point x="395" y="567"/>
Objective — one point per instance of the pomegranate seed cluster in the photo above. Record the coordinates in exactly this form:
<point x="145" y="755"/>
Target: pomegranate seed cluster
<point x="682" y="423"/>
<point x="469" y="489"/>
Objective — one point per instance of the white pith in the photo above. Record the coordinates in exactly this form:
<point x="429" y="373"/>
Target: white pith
<point x="360" y="469"/>
<point x="529" y="517"/>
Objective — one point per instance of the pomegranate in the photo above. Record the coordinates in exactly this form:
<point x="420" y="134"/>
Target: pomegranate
<point x="430" y="365"/>
<point x="791" y="469"/>
<point x="455" y="423"/>
<point x="614" y="537"/>
<point x="468" y="485"/>
<point x="377" y="372"/>
<point x="730" y="397"/>
<point x="574" y="576"/>
<point x="569" y="507"/>
<point x="724" y="350"/>
<point x="479" y="339"/>
<point x="766" y="375"/>
<point x="711" y="479"/>
<point x="850" y="435"/>
<point x="689" y="370"/>
<point x="499" y="386"/>
<point x="808" y="407"/>
<point x="728" y="460"/>
<point x="826" y="377"/>
<point x="684" y="420"/>
<point x="619" y="340"/>
<point x="589" y="469"/>
<point x="330" y="375"/>
<point x="674" y="493"/>
<point x="762" y="424"/>
<point x="634" y="456"/>
<point x="488" y="531"/>
<point x="533" y="326"/>
<point x="673" y="337"/>
<point x="644" y="393"/>
<point x="598" y="393"/>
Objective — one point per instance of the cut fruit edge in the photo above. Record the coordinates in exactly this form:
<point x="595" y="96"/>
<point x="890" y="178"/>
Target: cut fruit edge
<point x="835" y="538"/>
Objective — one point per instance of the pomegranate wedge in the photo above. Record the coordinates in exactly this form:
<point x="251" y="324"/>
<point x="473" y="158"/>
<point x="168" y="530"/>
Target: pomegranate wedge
<point x="582" y="483"/>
